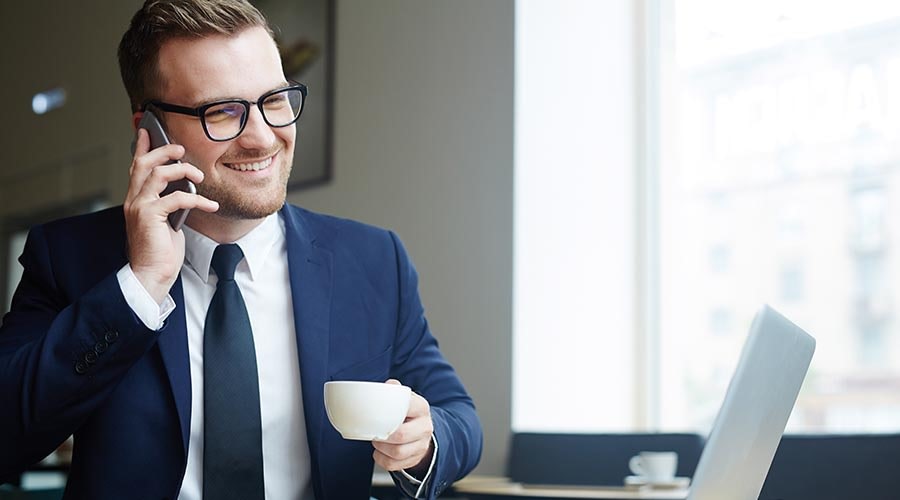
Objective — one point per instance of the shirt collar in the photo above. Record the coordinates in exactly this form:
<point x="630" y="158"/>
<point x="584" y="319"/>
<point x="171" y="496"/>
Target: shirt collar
<point x="256" y="245"/>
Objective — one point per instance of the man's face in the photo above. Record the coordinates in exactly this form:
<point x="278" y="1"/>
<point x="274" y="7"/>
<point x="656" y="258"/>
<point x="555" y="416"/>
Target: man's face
<point x="248" y="174"/>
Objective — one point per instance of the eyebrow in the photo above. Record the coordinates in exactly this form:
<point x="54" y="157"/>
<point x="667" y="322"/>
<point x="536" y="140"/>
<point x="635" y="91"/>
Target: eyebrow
<point x="206" y="101"/>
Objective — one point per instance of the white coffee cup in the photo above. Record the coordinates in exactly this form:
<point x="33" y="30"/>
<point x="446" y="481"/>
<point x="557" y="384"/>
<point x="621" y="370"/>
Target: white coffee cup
<point x="654" y="466"/>
<point x="366" y="411"/>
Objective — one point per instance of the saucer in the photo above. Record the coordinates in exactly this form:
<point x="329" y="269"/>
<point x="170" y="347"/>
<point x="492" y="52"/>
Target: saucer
<point x="674" y="483"/>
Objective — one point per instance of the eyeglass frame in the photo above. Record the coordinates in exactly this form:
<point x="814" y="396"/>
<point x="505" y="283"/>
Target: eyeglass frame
<point x="200" y="111"/>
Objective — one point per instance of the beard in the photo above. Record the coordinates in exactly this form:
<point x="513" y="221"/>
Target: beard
<point x="257" y="202"/>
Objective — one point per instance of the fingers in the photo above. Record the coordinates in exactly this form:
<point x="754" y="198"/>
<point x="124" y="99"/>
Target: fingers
<point x="142" y="144"/>
<point x="181" y="200"/>
<point x="162" y="175"/>
<point x="145" y="161"/>
<point x="152" y="170"/>
<point x="407" y="452"/>
<point x="157" y="180"/>
<point x="411" y="443"/>
<point x="418" y="406"/>
<point x="398" y="457"/>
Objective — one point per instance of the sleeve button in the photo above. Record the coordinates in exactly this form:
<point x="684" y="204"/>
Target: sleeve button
<point x="90" y="357"/>
<point x="111" y="336"/>
<point x="100" y="347"/>
<point x="80" y="368"/>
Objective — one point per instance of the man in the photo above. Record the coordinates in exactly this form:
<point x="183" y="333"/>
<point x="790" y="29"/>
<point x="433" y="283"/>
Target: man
<point x="116" y="330"/>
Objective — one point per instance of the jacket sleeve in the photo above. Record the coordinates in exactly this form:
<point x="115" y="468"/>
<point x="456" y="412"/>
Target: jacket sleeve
<point x="60" y="355"/>
<point x="419" y="364"/>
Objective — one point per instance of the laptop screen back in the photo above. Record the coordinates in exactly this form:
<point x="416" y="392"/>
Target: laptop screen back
<point x="759" y="400"/>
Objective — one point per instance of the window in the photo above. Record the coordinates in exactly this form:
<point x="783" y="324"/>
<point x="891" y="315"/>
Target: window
<point x="779" y="164"/>
<point x="761" y="165"/>
<point x="575" y="225"/>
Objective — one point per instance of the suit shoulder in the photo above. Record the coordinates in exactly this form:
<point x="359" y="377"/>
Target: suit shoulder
<point x="102" y="228"/>
<point x="88" y="224"/>
<point x="329" y="230"/>
<point x="79" y="251"/>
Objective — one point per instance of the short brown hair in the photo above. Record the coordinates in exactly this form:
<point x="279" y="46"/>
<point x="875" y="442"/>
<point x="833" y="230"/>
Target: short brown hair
<point x="161" y="20"/>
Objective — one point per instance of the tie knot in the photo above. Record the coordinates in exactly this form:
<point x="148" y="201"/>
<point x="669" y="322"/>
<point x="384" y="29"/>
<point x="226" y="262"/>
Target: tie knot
<point x="225" y="259"/>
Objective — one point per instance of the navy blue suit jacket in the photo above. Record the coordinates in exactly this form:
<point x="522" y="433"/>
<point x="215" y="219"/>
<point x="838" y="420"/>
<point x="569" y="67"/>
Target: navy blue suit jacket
<point x="74" y="359"/>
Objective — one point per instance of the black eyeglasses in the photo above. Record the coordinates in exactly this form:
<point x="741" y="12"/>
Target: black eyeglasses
<point x="224" y="120"/>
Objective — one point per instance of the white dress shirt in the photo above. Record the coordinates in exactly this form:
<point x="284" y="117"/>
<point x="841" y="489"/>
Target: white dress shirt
<point x="286" y="469"/>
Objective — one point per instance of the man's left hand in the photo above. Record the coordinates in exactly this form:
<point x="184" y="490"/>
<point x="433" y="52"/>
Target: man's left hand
<point x="410" y="447"/>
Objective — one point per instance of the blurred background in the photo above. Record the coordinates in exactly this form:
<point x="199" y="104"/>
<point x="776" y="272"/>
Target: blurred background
<point x="598" y="195"/>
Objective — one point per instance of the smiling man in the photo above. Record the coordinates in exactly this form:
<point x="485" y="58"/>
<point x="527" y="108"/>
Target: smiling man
<point x="190" y="364"/>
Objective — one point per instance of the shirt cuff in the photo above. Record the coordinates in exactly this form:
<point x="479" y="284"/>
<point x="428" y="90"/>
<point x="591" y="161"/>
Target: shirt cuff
<point x="137" y="297"/>
<point x="409" y="484"/>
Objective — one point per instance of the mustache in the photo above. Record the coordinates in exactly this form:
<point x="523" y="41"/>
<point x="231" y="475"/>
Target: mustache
<point x="251" y="154"/>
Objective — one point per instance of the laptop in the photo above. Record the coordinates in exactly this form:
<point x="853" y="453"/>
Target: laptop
<point x="737" y="455"/>
<point x="759" y="400"/>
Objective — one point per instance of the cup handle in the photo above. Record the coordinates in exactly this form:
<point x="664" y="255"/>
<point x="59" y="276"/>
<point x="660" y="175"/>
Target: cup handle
<point x="635" y="465"/>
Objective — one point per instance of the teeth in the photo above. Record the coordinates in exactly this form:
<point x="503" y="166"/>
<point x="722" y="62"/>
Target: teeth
<point x="244" y="167"/>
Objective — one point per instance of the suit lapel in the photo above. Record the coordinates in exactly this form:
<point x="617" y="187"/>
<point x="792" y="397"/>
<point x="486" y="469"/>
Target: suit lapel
<point x="311" y="283"/>
<point x="173" y="346"/>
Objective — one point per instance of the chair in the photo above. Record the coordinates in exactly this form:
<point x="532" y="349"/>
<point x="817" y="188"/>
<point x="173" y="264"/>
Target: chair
<point x="592" y="459"/>
<point x="834" y="467"/>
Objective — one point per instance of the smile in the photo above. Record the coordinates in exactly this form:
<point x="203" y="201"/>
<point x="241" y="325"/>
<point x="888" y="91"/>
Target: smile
<point x="251" y="166"/>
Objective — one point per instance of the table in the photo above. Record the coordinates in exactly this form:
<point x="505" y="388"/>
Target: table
<point x="494" y="488"/>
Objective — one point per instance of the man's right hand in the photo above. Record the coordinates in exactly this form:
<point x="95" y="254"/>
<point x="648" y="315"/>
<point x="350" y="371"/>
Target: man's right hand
<point x="155" y="251"/>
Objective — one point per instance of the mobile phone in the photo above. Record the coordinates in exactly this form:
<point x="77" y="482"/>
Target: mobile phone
<point x="158" y="138"/>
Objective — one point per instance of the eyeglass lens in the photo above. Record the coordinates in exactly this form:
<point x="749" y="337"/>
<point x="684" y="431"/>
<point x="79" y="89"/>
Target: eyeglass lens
<point x="225" y="121"/>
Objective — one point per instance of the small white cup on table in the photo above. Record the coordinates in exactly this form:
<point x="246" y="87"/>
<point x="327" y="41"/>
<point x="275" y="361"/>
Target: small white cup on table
<point x="655" y="466"/>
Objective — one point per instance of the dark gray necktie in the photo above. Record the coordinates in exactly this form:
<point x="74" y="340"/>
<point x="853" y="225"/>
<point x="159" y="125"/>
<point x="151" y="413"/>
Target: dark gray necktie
<point x="232" y="433"/>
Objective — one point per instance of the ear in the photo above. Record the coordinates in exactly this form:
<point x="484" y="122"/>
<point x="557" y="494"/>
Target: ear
<point x="136" y="118"/>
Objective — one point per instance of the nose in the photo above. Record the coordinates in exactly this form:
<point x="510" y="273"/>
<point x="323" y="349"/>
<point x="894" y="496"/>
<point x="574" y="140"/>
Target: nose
<point x="257" y="133"/>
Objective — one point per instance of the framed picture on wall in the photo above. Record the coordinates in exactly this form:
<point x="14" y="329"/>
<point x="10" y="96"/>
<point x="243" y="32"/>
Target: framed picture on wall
<point x="304" y="31"/>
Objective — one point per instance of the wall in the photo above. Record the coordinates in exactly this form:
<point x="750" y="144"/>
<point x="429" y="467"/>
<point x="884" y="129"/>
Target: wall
<point x="423" y="145"/>
<point x="81" y="150"/>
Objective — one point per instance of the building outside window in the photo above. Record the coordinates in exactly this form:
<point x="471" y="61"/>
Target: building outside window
<point x="780" y="134"/>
